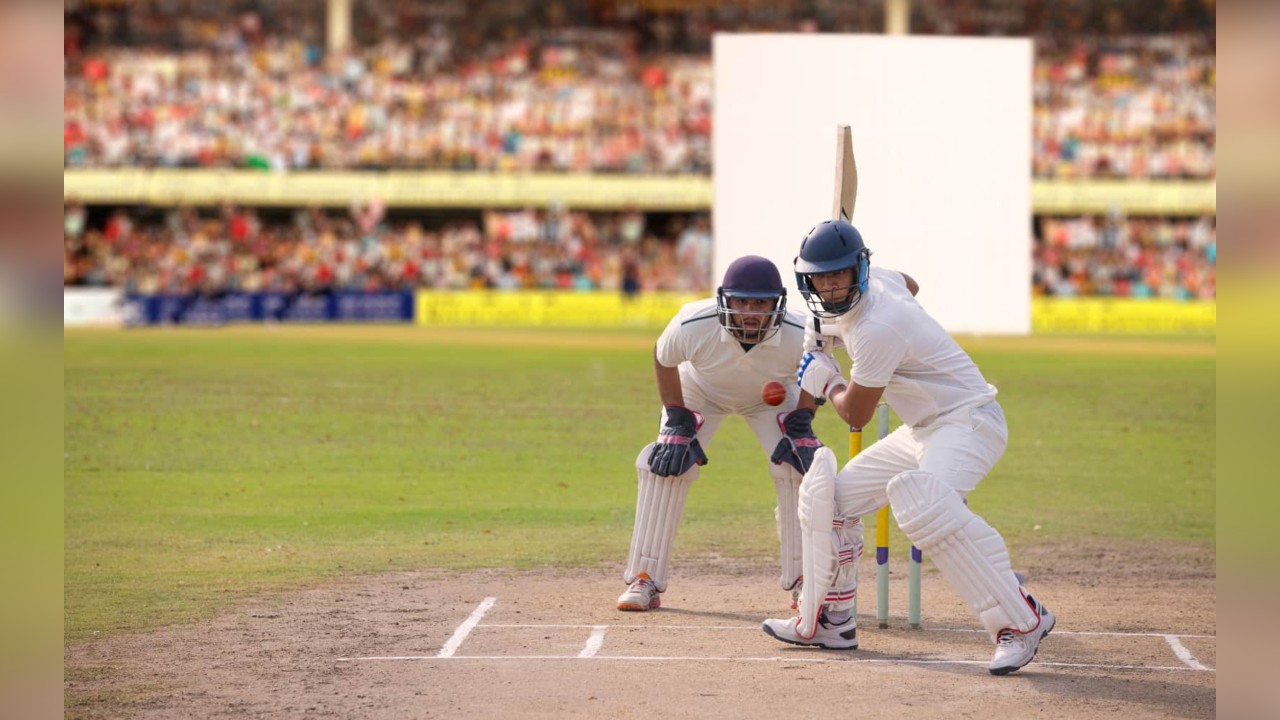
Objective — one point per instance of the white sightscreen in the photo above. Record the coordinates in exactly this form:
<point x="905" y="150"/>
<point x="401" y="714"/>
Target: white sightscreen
<point x="942" y="137"/>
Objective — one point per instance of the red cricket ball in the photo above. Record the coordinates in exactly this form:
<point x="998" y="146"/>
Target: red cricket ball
<point x="773" y="393"/>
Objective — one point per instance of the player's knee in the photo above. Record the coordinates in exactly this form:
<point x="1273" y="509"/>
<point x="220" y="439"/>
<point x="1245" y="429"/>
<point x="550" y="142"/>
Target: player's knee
<point x="785" y="473"/>
<point x="642" y="466"/>
<point x="642" y="460"/>
<point x="907" y="483"/>
<point x="926" y="509"/>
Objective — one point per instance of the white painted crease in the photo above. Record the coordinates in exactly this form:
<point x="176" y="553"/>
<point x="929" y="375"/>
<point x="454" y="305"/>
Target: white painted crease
<point x="539" y="626"/>
<point x="1090" y="633"/>
<point x="466" y="627"/>
<point x="1183" y="653"/>
<point x="756" y="628"/>
<point x="775" y="659"/>
<point x="594" y="642"/>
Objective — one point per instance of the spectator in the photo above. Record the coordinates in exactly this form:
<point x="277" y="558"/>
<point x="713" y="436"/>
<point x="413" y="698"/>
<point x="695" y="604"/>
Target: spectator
<point x="232" y="248"/>
<point x="1121" y="90"/>
<point x="1147" y="257"/>
<point x="1118" y="94"/>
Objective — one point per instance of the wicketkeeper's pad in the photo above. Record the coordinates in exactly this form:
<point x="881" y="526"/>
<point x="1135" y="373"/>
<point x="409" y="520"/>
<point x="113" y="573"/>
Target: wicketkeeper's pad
<point x="786" y="481"/>
<point x="659" y="505"/>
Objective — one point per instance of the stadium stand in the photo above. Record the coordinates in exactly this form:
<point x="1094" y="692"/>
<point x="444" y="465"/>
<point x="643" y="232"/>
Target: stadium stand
<point x="1122" y="91"/>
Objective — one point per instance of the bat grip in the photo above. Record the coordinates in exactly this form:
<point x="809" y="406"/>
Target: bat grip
<point x="817" y="327"/>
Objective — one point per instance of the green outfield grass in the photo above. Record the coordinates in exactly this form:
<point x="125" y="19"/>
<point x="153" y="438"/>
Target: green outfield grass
<point x="201" y="466"/>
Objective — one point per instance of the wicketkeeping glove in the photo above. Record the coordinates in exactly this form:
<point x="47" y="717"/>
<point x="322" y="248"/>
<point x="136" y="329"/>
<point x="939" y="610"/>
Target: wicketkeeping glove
<point x="819" y="373"/>
<point x="677" y="449"/>
<point x="798" y="442"/>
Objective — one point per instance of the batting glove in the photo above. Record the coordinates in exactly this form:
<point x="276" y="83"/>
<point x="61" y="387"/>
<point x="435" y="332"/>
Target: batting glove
<point x="677" y="449"/>
<point x="819" y="373"/>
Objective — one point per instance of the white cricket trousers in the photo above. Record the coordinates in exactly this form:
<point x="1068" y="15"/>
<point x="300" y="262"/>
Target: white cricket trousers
<point x="959" y="449"/>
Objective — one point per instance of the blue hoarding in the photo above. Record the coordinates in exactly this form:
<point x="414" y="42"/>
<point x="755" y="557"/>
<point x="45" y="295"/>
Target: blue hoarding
<point x="220" y="309"/>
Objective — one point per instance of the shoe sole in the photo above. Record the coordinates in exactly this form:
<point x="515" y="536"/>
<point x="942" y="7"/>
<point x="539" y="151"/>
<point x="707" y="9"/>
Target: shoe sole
<point x="769" y="631"/>
<point x="637" y="607"/>
<point x="1011" y="668"/>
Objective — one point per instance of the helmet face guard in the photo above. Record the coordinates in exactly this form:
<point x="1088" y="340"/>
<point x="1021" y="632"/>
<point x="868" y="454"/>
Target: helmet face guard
<point x="833" y="246"/>
<point x="751" y="277"/>
<point x="845" y="296"/>
<point x="751" y="326"/>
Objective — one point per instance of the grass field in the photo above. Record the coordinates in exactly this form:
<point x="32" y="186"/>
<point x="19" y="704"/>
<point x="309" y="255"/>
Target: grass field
<point x="201" y="466"/>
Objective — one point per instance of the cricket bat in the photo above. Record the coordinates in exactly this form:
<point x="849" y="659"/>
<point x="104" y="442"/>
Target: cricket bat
<point x="846" y="185"/>
<point x="842" y="202"/>
<point x="843" y="199"/>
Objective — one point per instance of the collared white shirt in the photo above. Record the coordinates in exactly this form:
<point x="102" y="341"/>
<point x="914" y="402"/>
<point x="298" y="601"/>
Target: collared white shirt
<point x="898" y="346"/>
<point x="713" y="360"/>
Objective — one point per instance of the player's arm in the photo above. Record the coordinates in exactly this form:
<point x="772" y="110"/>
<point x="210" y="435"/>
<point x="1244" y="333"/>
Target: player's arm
<point x="670" y="391"/>
<point x="806" y="402"/>
<point x="816" y="341"/>
<point x="676" y="450"/>
<point x="912" y="285"/>
<point x="856" y="404"/>
<point x="879" y="352"/>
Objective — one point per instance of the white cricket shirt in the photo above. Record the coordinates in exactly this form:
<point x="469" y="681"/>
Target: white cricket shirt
<point x="712" y="359"/>
<point x="898" y="346"/>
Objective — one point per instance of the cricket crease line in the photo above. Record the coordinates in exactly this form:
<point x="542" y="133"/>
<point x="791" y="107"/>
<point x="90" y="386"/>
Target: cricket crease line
<point x="1183" y="653"/>
<point x="465" y="628"/>
<point x="536" y="626"/>
<point x="594" y="642"/>
<point x="851" y="661"/>
<point x="1089" y="633"/>
<point x="1093" y="633"/>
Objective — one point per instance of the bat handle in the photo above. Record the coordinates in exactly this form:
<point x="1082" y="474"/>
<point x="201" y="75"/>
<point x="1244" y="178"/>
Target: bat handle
<point x="817" y="326"/>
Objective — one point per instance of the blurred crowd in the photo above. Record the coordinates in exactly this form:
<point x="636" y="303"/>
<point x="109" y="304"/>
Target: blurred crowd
<point x="1126" y="108"/>
<point x="1115" y="256"/>
<point x="237" y="95"/>
<point x="1121" y="90"/>
<point x="182" y="250"/>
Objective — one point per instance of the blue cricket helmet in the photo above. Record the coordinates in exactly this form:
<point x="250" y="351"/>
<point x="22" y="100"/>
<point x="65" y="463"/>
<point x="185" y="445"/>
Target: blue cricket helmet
<point x="752" y="277"/>
<point x="831" y="246"/>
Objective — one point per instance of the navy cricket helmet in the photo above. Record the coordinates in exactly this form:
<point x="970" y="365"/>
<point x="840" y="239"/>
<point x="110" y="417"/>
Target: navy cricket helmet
<point x="831" y="246"/>
<point x="752" y="277"/>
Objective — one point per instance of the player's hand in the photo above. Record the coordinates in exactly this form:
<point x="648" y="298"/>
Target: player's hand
<point x="798" y="442"/>
<point x="819" y="373"/>
<point x="815" y="341"/>
<point x="677" y="449"/>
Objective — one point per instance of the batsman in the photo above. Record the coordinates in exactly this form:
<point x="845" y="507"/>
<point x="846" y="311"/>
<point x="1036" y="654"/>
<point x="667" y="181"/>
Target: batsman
<point x="711" y="362"/>
<point x="953" y="433"/>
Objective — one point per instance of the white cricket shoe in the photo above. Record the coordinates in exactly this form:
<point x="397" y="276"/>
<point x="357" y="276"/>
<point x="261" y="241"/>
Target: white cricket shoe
<point x="829" y="635"/>
<point x="641" y="595"/>
<point x="1015" y="649"/>
<point x="796" y="591"/>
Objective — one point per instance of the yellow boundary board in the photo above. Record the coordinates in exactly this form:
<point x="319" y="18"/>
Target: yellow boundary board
<point x="565" y="308"/>
<point x="576" y="190"/>
<point x="1123" y="315"/>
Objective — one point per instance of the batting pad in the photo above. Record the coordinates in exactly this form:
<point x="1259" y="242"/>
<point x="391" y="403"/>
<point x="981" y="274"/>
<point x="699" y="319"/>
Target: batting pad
<point x="970" y="553"/>
<point x="820" y="559"/>
<point x="659" y="505"/>
<point x="786" y="481"/>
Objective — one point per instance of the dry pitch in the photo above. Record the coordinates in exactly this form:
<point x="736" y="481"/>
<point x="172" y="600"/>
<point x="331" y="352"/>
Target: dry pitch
<point x="1136" y="638"/>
